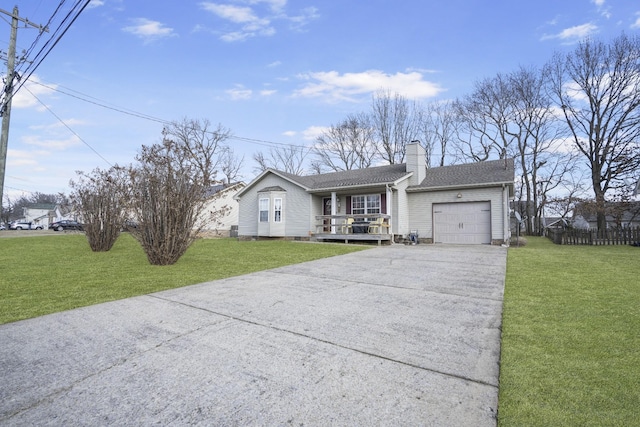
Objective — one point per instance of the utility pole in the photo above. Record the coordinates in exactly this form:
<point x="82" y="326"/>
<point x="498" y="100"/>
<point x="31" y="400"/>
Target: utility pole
<point x="5" y="108"/>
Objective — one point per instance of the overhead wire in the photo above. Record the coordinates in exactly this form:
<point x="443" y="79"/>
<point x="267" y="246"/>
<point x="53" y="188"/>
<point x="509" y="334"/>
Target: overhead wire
<point x="104" y="104"/>
<point x="68" y="127"/>
<point x="71" y="17"/>
<point x="23" y="75"/>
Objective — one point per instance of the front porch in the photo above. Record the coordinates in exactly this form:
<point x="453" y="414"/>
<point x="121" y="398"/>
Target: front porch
<point x="362" y="228"/>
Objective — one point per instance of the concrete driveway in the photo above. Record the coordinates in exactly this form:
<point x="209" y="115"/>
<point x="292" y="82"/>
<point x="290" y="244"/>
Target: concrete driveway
<point x="399" y="335"/>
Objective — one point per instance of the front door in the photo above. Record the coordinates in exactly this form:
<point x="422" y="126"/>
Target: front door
<point x="326" y="210"/>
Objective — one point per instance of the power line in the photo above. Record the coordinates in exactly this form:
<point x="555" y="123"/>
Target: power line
<point x="104" y="104"/>
<point x="69" y="128"/>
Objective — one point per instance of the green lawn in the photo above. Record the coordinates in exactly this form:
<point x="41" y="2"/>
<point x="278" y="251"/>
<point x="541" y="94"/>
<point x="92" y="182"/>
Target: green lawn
<point x="47" y="274"/>
<point x="571" y="336"/>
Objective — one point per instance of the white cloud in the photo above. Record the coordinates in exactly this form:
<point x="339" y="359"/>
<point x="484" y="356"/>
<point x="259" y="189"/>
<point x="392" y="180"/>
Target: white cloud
<point x="334" y="86"/>
<point x="574" y="33"/>
<point x="24" y="98"/>
<point x="312" y="132"/>
<point x="306" y="15"/>
<point x="149" y="30"/>
<point x="51" y="143"/>
<point x="232" y="13"/>
<point x="95" y="3"/>
<point x="290" y="133"/>
<point x="274" y="64"/>
<point x="254" y="20"/>
<point x="598" y="3"/>
<point x="267" y="92"/>
<point x="636" y="24"/>
<point x="239" y="93"/>
<point x="20" y="158"/>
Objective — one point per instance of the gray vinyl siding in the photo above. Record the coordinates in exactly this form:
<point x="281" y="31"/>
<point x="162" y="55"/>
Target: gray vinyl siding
<point x="296" y="207"/>
<point x="421" y="211"/>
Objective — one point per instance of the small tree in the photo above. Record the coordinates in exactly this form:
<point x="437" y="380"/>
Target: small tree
<point x="169" y="187"/>
<point x="99" y="197"/>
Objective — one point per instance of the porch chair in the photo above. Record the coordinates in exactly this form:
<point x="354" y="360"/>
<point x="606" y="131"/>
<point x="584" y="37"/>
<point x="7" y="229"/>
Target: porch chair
<point x="347" y="226"/>
<point x="376" y="226"/>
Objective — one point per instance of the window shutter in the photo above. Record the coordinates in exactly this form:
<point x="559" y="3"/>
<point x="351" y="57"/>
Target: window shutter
<point x="348" y="202"/>
<point x="383" y="203"/>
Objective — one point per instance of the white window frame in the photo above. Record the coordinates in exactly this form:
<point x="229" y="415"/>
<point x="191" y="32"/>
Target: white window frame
<point x="263" y="208"/>
<point x="277" y="209"/>
<point x="367" y="200"/>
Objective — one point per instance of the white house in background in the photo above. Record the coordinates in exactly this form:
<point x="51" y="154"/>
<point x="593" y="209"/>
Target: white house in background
<point x="466" y="204"/>
<point x="221" y="211"/>
<point x="42" y="213"/>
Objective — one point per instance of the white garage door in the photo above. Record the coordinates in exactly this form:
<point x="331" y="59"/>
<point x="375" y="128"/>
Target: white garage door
<point x="465" y="223"/>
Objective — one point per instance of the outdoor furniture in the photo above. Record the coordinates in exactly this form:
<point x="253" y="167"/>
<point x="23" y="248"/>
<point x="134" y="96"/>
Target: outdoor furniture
<point x="346" y="226"/>
<point x="376" y="226"/>
<point x="360" y="227"/>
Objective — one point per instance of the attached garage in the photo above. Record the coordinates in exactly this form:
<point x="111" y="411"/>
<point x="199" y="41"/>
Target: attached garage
<point x="462" y="223"/>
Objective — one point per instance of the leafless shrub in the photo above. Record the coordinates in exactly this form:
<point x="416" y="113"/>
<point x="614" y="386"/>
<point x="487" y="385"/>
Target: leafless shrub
<point x="169" y="187"/>
<point x="99" y="198"/>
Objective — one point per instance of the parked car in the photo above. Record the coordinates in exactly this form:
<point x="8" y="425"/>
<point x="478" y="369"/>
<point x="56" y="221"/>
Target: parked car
<point x="65" y="224"/>
<point x="24" y="225"/>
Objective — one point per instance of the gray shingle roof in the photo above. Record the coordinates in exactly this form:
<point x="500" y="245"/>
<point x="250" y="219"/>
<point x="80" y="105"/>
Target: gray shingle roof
<point x="356" y="177"/>
<point x="470" y="174"/>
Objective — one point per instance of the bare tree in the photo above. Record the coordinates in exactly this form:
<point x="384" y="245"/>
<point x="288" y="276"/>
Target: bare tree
<point x="511" y="115"/>
<point x="100" y="197"/>
<point x="438" y="125"/>
<point x="536" y="134"/>
<point x="485" y="118"/>
<point x="290" y="159"/>
<point x="169" y="186"/>
<point x="395" y="121"/>
<point x="597" y="86"/>
<point x="345" y="146"/>
<point x="231" y="165"/>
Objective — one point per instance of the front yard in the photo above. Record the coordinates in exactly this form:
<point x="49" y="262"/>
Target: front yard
<point x="571" y="336"/>
<point x="571" y="320"/>
<point x="46" y="274"/>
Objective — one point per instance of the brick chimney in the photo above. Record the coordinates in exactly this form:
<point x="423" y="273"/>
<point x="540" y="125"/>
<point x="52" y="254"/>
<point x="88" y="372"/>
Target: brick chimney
<point x="416" y="162"/>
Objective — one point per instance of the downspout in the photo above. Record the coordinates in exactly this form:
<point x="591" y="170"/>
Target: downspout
<point x="506" y="234"/>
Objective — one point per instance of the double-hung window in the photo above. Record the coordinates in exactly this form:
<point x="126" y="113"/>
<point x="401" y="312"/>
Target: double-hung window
<point x="264" y="210"/>
<point x="277" y="210"/>
<point x="364" y="205"/>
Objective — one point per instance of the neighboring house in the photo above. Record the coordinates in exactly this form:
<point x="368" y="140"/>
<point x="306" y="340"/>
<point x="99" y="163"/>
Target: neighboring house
<point x="618" y="214"/>
<point x="452" y="204"/>
<point x="221" y="211"/>
<point x="42" y="213"/>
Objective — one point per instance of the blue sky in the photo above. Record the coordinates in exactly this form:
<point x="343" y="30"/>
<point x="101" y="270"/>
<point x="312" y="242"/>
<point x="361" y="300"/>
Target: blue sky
<point x="276" y="71"/>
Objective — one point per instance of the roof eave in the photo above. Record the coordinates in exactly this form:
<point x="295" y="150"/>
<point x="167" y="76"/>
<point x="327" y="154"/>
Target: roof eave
<point x="417" y="189"/>
<point x="357" y="186"/>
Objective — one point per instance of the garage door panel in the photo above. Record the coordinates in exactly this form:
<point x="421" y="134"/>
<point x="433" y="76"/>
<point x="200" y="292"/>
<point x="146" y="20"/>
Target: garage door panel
<point x="462" y="223"/>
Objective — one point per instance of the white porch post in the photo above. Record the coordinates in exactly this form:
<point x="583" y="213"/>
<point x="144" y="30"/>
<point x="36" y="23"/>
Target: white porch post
<point x="389" y="208"/>
<point x="334" y="205"/>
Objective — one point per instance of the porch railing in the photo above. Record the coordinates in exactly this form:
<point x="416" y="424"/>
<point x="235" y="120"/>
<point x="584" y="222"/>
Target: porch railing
<point x="353" y="224"/>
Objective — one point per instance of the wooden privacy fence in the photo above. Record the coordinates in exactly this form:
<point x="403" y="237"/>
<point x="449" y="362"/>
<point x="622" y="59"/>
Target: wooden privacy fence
<point x="614" y="236"/>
